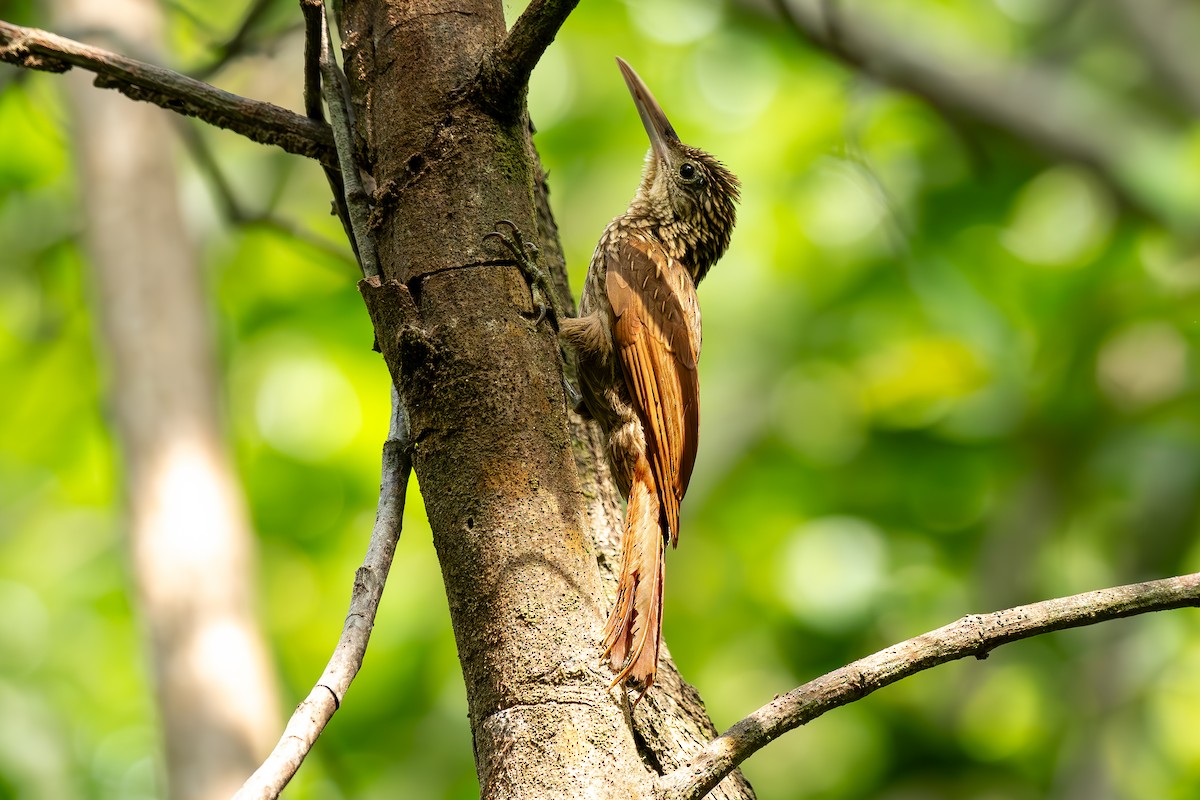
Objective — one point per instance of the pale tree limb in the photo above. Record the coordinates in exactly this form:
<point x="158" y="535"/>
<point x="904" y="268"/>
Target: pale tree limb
<point x="258" y="121"/>
<point x="505" y="75"/>
<point x="973" y="635"/>
<point x="191" y="545"/>
<point x="1043" y="108"/>
<point x="312" y="715"/>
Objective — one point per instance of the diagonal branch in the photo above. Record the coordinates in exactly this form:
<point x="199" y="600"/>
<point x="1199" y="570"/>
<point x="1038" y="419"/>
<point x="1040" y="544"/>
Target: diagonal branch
<point x="1060" y="117"/>
<point x="974" y="635"/>
<point x="235" y="212"/>
<point x="312" y="715"/>
<point x="505" y="75"/>
<point x="261" y="122"/>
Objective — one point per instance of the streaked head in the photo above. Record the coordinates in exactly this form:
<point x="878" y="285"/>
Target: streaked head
<point x="689" y="194"/>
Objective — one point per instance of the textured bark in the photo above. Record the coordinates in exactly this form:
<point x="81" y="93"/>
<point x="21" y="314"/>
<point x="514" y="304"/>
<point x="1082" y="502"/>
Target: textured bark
<point x="486" y="408"/>
<point x="515" y="530"/>
<point x="189" y="535"/>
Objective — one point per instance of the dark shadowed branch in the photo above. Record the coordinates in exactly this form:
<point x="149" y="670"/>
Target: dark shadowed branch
<point x="506" y="74"/>
<point x="261" y="122"/>
<point x="314" y="40"/>
<point x="974" y="635"/>
<point x="1040" y="106"/>
<point x="311" y="716"/>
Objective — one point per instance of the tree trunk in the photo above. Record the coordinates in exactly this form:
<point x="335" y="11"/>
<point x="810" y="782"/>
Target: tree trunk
<point x="518" y="536"/>
<point x="189" y="535"/>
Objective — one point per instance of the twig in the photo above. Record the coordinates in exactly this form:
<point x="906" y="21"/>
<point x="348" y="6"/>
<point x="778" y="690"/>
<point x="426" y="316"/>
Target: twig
<point x="314" y="44"/>
<point x="505" y="75"/>
<point x="311" y="716"/>
<point x="261" y="122"/>
<point x="1046" y="110"/>
<point x="357" y="206"/>
<point x="234" y="210"/>
<point x="975" y="635"/>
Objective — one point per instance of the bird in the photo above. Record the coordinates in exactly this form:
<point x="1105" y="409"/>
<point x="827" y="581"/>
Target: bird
<point x="637" y="341"/>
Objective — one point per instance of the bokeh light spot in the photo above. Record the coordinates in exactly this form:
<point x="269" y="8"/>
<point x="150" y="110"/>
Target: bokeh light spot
<point x="831" y="571"/>
<point x="307" y="408"/>
<point x="675" y="21"/>
<point x="1060" y="218"/>
<point x="1143" y="365"/>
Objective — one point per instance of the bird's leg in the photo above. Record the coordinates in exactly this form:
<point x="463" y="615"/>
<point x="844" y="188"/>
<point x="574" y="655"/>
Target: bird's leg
<point x="575" y="399"/>
<point x="525" y="257"/>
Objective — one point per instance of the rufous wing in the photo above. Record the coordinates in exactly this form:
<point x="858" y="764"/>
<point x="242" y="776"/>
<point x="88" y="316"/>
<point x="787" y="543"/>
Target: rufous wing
<point x="653" y="301"/>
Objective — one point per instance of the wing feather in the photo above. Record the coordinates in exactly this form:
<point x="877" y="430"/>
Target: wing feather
<point x="657" y="344"/>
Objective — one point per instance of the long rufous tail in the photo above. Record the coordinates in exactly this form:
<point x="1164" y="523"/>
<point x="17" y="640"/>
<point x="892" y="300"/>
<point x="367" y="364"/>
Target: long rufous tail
<point x="634" y="627"/>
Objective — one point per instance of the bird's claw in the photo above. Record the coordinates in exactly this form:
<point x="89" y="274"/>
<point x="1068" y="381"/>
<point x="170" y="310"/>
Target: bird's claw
<point x="525" y="257"/>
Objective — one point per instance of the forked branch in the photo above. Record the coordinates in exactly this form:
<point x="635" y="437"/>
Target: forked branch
<point x="974" y="635"/>
<point x="505" y="76"/>
<point x="261" y="122"/>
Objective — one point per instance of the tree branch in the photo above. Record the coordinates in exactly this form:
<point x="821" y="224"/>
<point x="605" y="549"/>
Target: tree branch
<point x="235" y="211"/>
<point x="311" y="716"/>
<point x="1163" y="33"/>
<point x="973" y="635"/>
<point x="314" y="46"/>
<point x="1062" y="118"/>
<point x="505" y="75"/>
<point x="261" y="122"/>
<point x="354" y="205"/>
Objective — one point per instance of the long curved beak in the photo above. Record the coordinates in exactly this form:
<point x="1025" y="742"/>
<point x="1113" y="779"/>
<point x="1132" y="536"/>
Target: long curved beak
<point x="657" y="126"/>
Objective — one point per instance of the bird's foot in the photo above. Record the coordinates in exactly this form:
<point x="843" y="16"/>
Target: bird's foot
<point x="525" y="257"/>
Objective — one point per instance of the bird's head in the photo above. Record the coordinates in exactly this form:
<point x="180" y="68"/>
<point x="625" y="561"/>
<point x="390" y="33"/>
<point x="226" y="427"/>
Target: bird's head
<point x="686" y="195"/>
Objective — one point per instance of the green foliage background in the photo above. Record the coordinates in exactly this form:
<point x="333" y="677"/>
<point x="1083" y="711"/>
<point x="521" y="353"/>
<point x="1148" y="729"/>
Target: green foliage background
<point x="942" y="374"/>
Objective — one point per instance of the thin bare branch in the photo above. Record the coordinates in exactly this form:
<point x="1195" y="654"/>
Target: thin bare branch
<point x="261" y="122"/>
<point x="356" y="208"/>
<point x="1041" y="107"/>
<point x="312" y="715"/>
<point x="505" y="75"/>
<point x="974" y="635"/>
<point x="314" y="43"/>
<point x="235" y="211"/>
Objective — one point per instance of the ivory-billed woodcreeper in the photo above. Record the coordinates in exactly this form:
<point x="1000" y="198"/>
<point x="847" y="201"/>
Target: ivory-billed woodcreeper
<point x="637" y="339"/>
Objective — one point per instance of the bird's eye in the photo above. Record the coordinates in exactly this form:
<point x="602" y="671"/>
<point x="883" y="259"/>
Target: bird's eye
<point x="687" y="171"/>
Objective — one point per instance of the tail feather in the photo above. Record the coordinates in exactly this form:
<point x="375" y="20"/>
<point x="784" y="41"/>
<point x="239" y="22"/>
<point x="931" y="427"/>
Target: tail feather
<point x="634" y="628"/>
